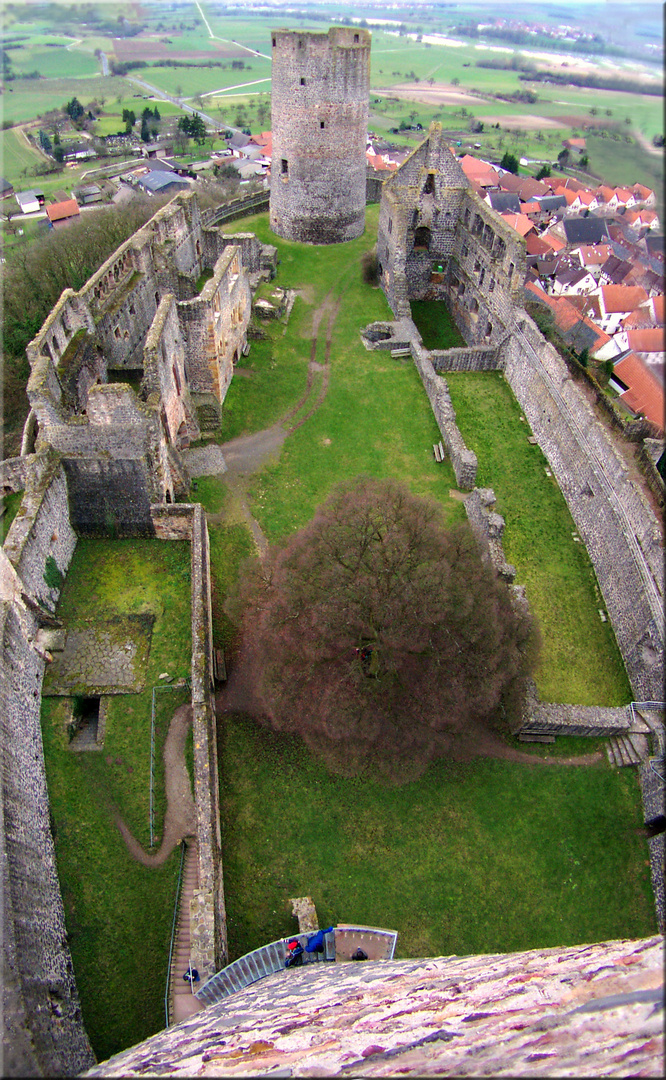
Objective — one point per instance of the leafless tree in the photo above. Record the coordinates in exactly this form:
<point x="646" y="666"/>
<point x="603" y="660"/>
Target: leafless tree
<point x="377" y="634"/>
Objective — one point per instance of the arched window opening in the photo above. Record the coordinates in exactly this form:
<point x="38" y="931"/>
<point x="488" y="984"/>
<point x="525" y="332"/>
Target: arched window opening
<point x="429" y="186"/>
<point x="422" y="239"/>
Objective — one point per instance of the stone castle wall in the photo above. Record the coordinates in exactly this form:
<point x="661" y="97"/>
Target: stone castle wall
<point x="43" y="1031"/>
<point x="580" y="1010"/>
<point x="618" y="527"/>
<point x="319" y="100"/>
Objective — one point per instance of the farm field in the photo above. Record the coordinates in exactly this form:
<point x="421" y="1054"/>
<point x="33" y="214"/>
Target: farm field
<point x="17" y="157"/>
<point x="191" y="81"/>
<point x="55" y="63"/>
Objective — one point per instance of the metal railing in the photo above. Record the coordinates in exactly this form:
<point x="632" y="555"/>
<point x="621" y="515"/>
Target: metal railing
<point x="181" y="685"/>
<point x="183" y="848"/>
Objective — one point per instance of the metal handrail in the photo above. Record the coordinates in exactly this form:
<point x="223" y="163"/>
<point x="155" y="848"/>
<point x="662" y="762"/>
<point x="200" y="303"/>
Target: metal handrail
<point x="183" y="847"/>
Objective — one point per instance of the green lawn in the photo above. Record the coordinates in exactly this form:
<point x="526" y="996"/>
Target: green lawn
<point x="483" y="857"/>
<point x="10" y="505"/>
<point x="435" y="325"/>
<point x="17" y="156"/>
<point x="119" y="914"/>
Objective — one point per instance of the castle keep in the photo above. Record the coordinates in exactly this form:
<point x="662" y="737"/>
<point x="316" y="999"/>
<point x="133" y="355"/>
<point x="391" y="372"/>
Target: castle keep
<point x="319" y="98"/>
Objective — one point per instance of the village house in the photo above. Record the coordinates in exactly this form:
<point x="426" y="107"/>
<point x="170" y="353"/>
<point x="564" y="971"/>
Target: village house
<point x="61" y="214"/>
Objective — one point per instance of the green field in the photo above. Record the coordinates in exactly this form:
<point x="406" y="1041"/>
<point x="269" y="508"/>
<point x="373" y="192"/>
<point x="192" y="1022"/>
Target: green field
<point x="55" y="63"/>
<point x="27" y="99"/>
<point x="203" y="80"/>
<point x="17" y="159"/>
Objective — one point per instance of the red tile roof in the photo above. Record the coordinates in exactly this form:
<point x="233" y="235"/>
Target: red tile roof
<point x="58" y="211"/>
<point x="536" y="245"/>
<point x="617" y="298"/>
<point x="645" y="394"/>
<point x="520" y="222"/>
<point x="650" y="339"/>
<point x="567" y="316"/>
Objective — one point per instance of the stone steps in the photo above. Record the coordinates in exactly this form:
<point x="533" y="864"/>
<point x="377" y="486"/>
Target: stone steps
<point x="182" y="1002"/>
<point x="624" y="750"/>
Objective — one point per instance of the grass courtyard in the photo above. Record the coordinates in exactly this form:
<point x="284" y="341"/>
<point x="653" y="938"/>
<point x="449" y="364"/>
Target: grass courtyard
<point x="118" y="913"/>
<point x="487" y="855"/>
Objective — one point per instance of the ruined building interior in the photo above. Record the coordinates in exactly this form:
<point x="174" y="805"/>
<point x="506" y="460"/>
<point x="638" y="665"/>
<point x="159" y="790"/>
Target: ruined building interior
<point x="125" y="374"/>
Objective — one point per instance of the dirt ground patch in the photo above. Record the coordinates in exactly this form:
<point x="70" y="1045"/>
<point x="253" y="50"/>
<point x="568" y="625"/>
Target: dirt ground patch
<point x="151" y="48"/>
<point x="437" y="94"/>
<point x="523" y="120"/>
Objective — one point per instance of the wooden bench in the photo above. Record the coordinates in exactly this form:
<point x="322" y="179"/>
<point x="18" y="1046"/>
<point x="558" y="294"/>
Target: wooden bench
<point x="397" y="353"/>
<point x="438" y="451"/>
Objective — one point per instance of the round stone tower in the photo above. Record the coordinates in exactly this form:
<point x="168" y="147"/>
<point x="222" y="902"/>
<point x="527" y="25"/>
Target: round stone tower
<point x="320" y="87"/>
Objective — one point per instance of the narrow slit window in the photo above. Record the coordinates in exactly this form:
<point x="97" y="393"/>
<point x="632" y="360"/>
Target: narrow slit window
<point x="322" y="125"/>
<point x="285" y="167"/>
<point x="302" y="82"/>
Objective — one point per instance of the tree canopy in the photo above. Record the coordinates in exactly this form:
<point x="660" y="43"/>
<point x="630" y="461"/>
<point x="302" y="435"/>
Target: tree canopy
<point x="377" y="634"/>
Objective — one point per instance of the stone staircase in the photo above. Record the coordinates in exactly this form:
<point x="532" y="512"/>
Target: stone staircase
<point x="269" y="959"/>
<point x="633" y="746"/>
<point x="182" y="1001"/>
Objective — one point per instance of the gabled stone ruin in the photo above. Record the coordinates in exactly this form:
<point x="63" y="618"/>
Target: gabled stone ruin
<point x="131" y="369"/>
<point x="437" y="240"/>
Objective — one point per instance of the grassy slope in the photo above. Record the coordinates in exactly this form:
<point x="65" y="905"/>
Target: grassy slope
<point x="473" y="858"/>
<point x="118" y="913"/>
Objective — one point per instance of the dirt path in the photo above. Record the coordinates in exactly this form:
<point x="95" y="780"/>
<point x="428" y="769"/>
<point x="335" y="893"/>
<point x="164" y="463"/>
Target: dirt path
<point x="180" y="819"/>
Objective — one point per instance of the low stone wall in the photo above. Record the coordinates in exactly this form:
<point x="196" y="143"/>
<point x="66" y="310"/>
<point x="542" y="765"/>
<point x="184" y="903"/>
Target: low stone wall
<point x="465" y="359"/>
<point x="489" y="526"/>
<point x="208" y="925"/>
<point x="463" y="459"/>
<point x="238" y="208"/>
<point x="586" y="720"/>
<point x="13" y="473"/>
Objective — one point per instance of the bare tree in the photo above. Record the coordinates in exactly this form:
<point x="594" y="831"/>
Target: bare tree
<point x="378" y="635"/>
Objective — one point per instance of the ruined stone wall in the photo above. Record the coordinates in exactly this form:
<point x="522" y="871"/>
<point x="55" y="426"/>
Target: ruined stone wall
<point x="207" y="913"/>
<point x="214" y="325"/>
<point x="43" y="1030"/>
<point x="420" y="210"/>
<point x="465" y="359"/>
<point x="463" y="459"/>
<point x="619" y="529"/>
<point x="319" y="102"/>
<point x="165" y="383"/>
<point x="13" y="473"/>
<point x="113" y="461"/>
<point x="40" y="535"/>
<point x="485" y="275"/>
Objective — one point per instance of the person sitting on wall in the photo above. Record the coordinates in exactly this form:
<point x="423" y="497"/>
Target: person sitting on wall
<point x="295" y="950"/>
<point x="191" y="975"/>
<point x="315" y="942"/>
